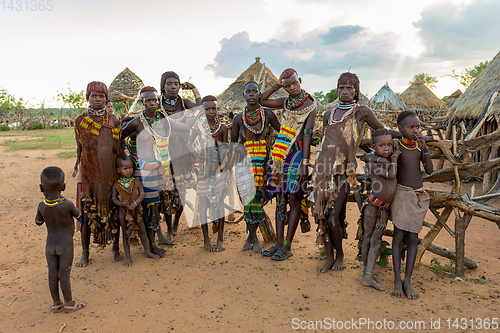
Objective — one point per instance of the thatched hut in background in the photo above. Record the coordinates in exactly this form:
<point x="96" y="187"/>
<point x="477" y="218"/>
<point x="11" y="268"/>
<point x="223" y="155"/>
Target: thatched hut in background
<point x="421" y="100"/>
<point x="453" y="97"/>
<point x="386" y="105"/>
<point x="232" y="98"/>
<point x="363" y="100"/>
<point x="468" y="111"/>
<point x="126" y="83"/>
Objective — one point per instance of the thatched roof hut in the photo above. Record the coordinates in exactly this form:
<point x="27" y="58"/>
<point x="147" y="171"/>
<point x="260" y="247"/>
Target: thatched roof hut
<point x="421" y="100"/>
<point x="453" y="97"/>
<point x="363" y="100"/>
<point x="232" y="98"/>
<point x="472" y="102"/>
<point x="386" y="105"/>
<point x="126" y="83"/>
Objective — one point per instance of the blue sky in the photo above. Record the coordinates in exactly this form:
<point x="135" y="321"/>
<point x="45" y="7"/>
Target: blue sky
<point x="211" y="43"/>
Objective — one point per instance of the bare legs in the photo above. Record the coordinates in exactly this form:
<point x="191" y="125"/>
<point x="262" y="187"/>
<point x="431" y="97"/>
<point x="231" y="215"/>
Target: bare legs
<point x="371" y="244"/>
<point x="402" y="288"/>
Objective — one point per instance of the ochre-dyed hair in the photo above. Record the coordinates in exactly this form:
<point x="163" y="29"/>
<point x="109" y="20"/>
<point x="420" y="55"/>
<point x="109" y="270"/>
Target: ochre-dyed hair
<point x="97" y="87"/>
<point x="350" y="78"/>
<point x="122" y="157"/>
<point x="251" y="82"/>
<point x="380" y="132"/>
<point x="52" y="173"/>
<point x="405" y="114"/>
<point x="148" y="89"/>
<point x="164" y="78"/>
<point x="209" y="98"/>
<point x="287" y="73"/>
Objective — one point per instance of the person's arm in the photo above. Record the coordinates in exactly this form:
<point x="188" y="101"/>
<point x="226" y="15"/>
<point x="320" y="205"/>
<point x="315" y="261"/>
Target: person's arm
<point x="114" y="197"/>
<point x="326" y="116"/>
<point x="393" y="165"/>
<point x="75" y="212"/>
<point x="186" y="126"/>
<point x="235" y="131"/>
<point x="273" y="120"/>
<point x="129" y="128"/>
<point x="78" y="151"/>
<point x="188" y="103"/>
<point x="39" y="218"/>
<point x="272" y="103"/>
<point x="223" y="132"/>
<point x="306" y="144"/>
<point x="372" y="121"/>
<point x="425" y="154"/>
<point x="139" y="199"/>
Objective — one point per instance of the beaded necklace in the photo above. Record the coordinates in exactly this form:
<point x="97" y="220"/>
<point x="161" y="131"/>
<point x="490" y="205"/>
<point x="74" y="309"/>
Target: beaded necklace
<point x="52" y="203"/>
<point x="253" y="117"/>
<point x="126" y="183"/>
<point x="299" y="112"/>
<point x="345" y="106"/>
<point x="214" y="130"/>
<point x="168" y="113"/>
<point x="262" y="117"/>
<point x="409" y="144"/>
<point x="293" y="102"/>
<point x="332" y="121"/>
<point x="95" y="112"/>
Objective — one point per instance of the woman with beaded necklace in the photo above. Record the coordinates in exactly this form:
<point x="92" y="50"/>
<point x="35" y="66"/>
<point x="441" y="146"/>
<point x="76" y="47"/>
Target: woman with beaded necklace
<point x="97" y="133"/>
<point x="153" y="129"/>
<point x="251" y="128"/>
<point x="290" y="156"/>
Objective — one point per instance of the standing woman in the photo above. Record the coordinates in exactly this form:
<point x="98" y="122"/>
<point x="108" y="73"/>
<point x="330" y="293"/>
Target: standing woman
<point x="97" y="133"/>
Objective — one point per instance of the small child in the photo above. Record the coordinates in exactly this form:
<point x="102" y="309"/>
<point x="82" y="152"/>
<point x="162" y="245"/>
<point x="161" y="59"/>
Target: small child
<point x="128" y="193"/>
<point x="375" y="211"/>
<point x="411" y="202"/>
<point x="58" y="213"/>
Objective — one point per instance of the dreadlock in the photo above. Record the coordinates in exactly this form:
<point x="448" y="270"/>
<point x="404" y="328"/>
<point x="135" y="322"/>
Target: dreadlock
<point x="287" y="73"/>
<point x="97" y="87"/>
<point x="350" y="78"/>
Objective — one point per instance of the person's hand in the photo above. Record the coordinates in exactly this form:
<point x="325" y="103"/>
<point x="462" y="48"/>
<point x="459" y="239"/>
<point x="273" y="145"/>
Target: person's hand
<point x="187" y="86"/>
<point x="430" y="139"/>
<point x="420" y="140"/>
<point x="132" y="205"/>
<point x="280" y="82"/>
<point x="395" y="145"/>
<point x="124" y="203"/>
<point x="303" y="173"/>
<point x="75" y="169"/>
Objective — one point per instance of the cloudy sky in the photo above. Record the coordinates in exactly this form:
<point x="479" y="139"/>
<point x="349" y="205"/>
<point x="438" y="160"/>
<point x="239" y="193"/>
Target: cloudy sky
<point x="212" y="42"/>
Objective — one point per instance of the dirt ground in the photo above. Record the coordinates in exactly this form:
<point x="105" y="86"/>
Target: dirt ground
<point x="232" y="291"/>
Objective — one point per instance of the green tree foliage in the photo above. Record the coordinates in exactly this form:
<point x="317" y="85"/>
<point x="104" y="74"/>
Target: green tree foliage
<point x="75" y="100"/>
<point x="469" y="74"/>
<point x="427" y="79"/>
<point x="9" y="103"/>
<point x="323" y="98"/>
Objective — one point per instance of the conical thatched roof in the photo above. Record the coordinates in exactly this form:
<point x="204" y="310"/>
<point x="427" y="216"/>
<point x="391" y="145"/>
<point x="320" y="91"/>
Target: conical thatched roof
<point x="126" y="83"/>
<point x="453" y="97"/>
<point x="386" y="99"/>
<point x="232" y="98"/>
<point x="418" y="96"/>
<point x="472" y="102"/>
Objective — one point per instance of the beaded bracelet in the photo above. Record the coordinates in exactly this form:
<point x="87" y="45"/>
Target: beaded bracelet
<point x="135" y="203"/>
<point x="394" y="164"/>
<point x="427" y="153"/>
<point x="276" y="87"/>
<point x="307" y="131"/>
<point x="306" y="161"/>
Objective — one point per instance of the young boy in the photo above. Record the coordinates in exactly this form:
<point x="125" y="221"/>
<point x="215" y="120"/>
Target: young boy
<point x="251" y="127"/>
<point x="128" y="193"/>
<point x="58" y="213"/>
<point x="375" y="211"/>
<point x="410" y="202"/>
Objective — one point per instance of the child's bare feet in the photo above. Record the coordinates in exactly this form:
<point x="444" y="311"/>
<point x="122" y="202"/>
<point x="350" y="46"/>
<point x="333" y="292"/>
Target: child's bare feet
<point x="128" y="261"/>
<point x="326" y="266"/>
<point x="220" y="246"/>
<point x="73" y="306"/>
<point x="338" y="265"/>
<point x="248" y="244"/>
<point x="169" y="240"/>
<point x="208" y="246"/>
<point x="152" y="255"/>
<point x="409" y="291"/>
<point x="369" y="281"/>
<point x="116" y="254"/>
<point x="57" y="307"/>
<point x="256" y="246"/>
<point x="84" y="260"/>
<point x="158" y="251"/>
<point x="398" y="289"/>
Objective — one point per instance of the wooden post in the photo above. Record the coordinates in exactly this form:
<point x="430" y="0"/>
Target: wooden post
<point x="459" y="243"/>
<point x="431" y="234"/>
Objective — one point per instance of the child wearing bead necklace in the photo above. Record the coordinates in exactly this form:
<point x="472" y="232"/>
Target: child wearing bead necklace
<point x="58" y="213"/>
<point x="127" y="194"/>
<point x="411" y="202"/>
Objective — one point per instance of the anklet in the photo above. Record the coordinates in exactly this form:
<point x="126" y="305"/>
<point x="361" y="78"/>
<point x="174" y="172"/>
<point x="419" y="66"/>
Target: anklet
<point x="368" y="273"/>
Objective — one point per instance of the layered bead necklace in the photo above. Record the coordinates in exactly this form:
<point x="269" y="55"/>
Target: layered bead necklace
<point x="126" y="183"/>
<point x="98" y="113"/>
<point x="409" y="144"/>
<point x="252" y="119"/>
<point x="153" y="122"/>
<point x="214" y="130"/>
<point x="52" y="203"/>
<point x="345" y="106"/>
<point x="293" y="102"/>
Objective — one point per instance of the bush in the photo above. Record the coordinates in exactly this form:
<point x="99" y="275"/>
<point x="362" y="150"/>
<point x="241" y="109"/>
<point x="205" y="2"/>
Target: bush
<point x="4" y="127"/>
<point x="34" y="125"/>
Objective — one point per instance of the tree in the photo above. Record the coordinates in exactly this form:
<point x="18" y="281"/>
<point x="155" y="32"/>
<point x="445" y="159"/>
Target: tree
<point x="427" y="79"/>
<point x="326" y="98"/>
<point x="8" y="103"/>
<point x="469" y="74"/>
<point x="75" y="100"/>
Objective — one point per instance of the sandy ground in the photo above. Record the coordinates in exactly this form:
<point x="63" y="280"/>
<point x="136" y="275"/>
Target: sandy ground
<point x="233" y="291"/>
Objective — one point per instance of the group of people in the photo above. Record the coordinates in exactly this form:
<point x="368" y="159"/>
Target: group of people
<point x="128" y="176"/>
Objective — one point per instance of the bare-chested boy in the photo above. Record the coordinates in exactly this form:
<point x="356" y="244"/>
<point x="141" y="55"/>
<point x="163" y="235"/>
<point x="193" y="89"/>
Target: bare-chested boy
<point x="375" y="211"/>
<point x="127" y="194"/>
<point x="411" y="202"/>
<point x="57" y="212"/>
<point x="251" y="127"/>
